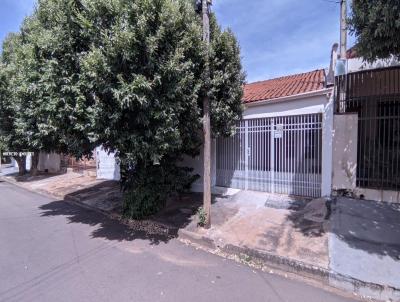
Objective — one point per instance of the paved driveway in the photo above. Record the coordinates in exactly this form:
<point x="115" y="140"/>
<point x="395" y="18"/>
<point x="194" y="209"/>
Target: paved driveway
<point x="53" y="251"/>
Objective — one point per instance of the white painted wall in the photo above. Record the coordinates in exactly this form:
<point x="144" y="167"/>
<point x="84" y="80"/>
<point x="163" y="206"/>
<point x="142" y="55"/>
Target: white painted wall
<point x="27" y="165"/>
<point x="344" y="159"/>
<point x="327" y="142"/>
<point x="198" y="167"/>
<point x="305" y="105"/>
<point x="322" y="103"/>
<point x="357" y="64"/>
<point x="50" y="162"/>
<point x="107" y="165"/>
<point x="28" y="162"/>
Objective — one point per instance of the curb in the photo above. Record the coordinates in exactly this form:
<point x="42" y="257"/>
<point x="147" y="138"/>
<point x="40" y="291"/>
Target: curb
<point x="197" y="239"/>
<point x="321" y="275"/>
<point x="279" y="262"/>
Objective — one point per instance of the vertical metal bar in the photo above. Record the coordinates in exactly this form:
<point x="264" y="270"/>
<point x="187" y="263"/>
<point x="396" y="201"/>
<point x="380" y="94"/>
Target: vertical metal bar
<point x="318" y="161"/>
<point x="256" y="146"/>
<point x="293" y="155"/>
<point x="315" y="163"/>
<point x="264" y="134"/>
<point x="302" y="153"/>
<point x="397" y="115"/>
<point x="278" y="159"/>
<point x="281" y="190"/>
<point x="246" y="155"/>
<point x="292" y="146"/>
<point x="272" y="155"/>
<point x="296" y="156"/>
<point x="294" y="152"/>
<point x="382" y="121"/>
<point x="265" y="146"/>
<point x="299" y="155"/>
<point x="224" y="157"/>
<point x="365" y="147"/>
<point x="284" y="155"/>
<point x="311" y="155"/>
<point x="251" y="152"/>
<point x="311" y="151"/>
<point x="305" y="182"/>
<point x="258" y="155"/>
<point x="320" y="169"/>
<point x="280" y="156"/>
<point x="388" y="141"/>
<point x="391" y="140"/>
<point x="267" y="157"/>
<point x="306" y="174"/>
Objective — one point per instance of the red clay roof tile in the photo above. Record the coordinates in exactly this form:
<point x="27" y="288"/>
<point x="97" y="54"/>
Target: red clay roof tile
<point x="284" y="86"/>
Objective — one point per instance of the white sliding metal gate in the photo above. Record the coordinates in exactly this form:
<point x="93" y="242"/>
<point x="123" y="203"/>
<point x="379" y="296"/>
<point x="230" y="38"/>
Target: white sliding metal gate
<point x="277" y="155"/>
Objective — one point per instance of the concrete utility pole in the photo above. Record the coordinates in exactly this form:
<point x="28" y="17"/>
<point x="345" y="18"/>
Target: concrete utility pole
<point x="206" y="122"/>
<point x="343" y="29"/>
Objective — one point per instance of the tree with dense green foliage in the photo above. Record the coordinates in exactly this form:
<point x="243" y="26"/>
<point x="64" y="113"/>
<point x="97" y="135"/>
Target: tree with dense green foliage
<point x="43" y="81"/>
<point x="11" y="138"/>
<point x="376" y="25"/>
<point x="149" y="108"/>
<point x="65" y="101"/>
<point x="26" y="126"/>
<point x="128" y="75"/>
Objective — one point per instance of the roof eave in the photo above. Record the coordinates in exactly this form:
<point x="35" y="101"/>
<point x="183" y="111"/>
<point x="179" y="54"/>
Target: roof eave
<point x="324" y="91"/>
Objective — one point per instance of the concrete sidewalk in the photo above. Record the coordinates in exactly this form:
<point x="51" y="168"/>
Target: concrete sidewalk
<point x="245" y="221"/>
<point x="97" y="194"/>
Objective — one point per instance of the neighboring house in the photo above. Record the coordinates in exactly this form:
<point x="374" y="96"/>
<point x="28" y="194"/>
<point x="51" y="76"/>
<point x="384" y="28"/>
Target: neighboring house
<point x="107" y="165"/>
<point x="367" y="130"/>
<point x="356" y="63"/>
<point x="283" y="143"/>
<point x="48" y="162"/>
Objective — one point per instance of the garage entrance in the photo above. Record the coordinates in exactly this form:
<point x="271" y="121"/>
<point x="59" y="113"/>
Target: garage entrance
<point x="277" y="155"/>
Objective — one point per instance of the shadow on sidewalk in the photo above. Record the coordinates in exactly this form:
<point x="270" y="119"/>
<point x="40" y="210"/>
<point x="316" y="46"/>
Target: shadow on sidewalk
<point x="310" y="218"/>
<point x="369" y="226"/>
<point x="157" y="229"/>
<point x="106" y="227"/>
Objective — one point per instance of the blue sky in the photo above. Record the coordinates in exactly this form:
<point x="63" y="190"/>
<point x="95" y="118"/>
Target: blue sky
<point x="277" y="37"/>
<point x="12" y="12"/>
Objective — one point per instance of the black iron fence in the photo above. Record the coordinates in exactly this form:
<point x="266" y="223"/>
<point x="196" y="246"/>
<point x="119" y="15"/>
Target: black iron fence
<point x="375" y="96"/>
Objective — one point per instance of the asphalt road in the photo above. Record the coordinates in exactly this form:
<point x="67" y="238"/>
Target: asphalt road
<point x="54" y="251"/>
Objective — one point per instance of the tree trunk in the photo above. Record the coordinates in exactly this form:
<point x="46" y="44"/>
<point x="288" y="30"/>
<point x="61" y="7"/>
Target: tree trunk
<point x="34" y="164"/>
<point x="206" y="122"/>
<point x="21" y="161"/>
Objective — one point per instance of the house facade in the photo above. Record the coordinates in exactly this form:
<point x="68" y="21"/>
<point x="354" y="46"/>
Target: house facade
<point x="282" y="144"/>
